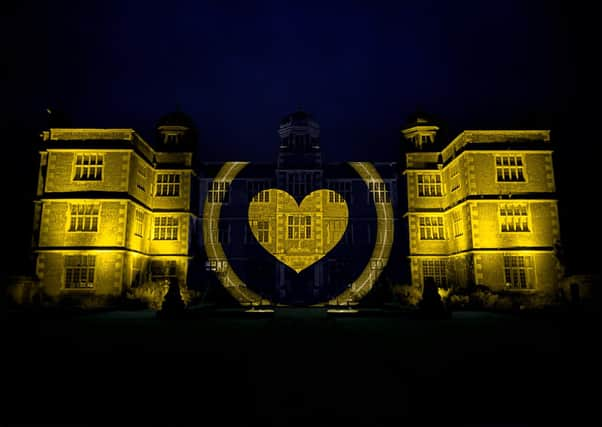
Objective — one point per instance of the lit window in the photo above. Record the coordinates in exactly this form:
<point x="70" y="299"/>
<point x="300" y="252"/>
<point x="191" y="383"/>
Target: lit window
<point x="263" y="231"/>
<point x="509" y="168"/>
<point x="163" y="270"/>
<point x="435" y="270"/>
<point x="168" y="184"/>
<point x="88" y="167"/>
<point x="454" y="176"/>
<point x="334" y="228"/>
<point x="255" y="190"/>
<point x="218" y="192"/>
<point x="429" y="185"/>
<point x="514" y="218"/>
<point x="342" y="192"/>
<point x="84" y="217"/>
<point x="518" y="271"/>
<point x="299" y="227"/>
<point x="79" y="271"/>
<point x="431" y="228"/>
<point x="457" y="224"/>
<point x="139" y="223"/>
<point x="379" y="192"/>
<point x="166" y="228"/>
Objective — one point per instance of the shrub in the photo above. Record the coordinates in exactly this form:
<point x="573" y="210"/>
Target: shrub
<point x="151" y="293"/>
<point x="407" y="294"/>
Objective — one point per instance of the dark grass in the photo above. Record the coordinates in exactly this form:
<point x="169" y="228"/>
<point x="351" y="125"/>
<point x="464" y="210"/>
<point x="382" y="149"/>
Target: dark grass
<point x="302" y="367"/>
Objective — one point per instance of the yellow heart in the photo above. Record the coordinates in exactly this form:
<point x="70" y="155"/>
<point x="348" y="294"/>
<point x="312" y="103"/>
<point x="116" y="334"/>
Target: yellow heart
<point x="298" y="235"/>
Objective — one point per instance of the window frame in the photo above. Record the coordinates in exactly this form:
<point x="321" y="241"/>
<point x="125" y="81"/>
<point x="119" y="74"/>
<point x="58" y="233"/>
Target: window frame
<point x="514" y="205"/>
<point x="436" y="184"/>
<point x="71" y="216"/>
<point x="75" y="166"/>
<point x="177" y="184"/>
<point x="523" y="167"/>
<point x="166" y="227"/>
<point x="78" y="267"/>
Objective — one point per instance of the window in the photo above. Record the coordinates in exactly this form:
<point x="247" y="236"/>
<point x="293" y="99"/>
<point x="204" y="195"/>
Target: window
<point x="429" y="185"/>
<point x="343" y="190"/>
<point x="457" y="223"/>
<point x="379" y="192"/>
<point x="299" y="227"/>
<point x="79" y="271"/>
<point x="255" y="191"/>
<point x="454" y="177"/>
<point x="218" y="192"/>
<point x="141" y="179"/>
<point x="166" y="228"/>
<point x="84" y="217"/>
<point x="217" y="265"/>
<point x="435" y="269"/>
<point x="334" y="228"/>
<point x="168" y="184"/>
<point x="514" y="218"/>
<point x="139" y="271"/>
<point x="139" y="223"/>
<point x="299" y="183"/>
<point x="509" y="168"/>
<point x="431" y="228"/>
<point x="517" y="271"/>
<point x="88" y="167"/>
<point x="263" y="231"/>
<point x="163" y="270"/>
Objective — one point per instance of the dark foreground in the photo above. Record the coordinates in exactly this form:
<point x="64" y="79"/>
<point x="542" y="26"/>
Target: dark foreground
<point x="301" y="367"/>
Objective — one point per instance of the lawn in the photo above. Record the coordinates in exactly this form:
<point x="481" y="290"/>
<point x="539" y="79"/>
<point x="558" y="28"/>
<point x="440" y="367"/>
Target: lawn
<point x="302" y="367"/>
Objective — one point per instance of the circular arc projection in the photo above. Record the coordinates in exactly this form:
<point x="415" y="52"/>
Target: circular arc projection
<point x="350" y="296"/>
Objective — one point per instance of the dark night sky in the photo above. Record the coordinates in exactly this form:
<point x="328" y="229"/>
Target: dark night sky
<point x="360" y="67"/>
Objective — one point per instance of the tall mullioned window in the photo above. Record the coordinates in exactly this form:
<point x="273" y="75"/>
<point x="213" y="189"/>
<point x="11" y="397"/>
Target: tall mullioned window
<point x="509" y="168"/>
<point x="457" y="223"/>
<point x="139" y="223"/>
<point x="218" y="192"/>
<point x="165" y="228"/>
<point x="88" y="167"/>
<point x="429" y="185"/>
<point x="380" y="192"/>
<point x="263" y="231"/>
<point x="84" y="217"/>
<point x="342" y="192"/>
<point x="256" y="193"/>
<point x="517" y="271"/>
<point x="168" y="184"/>
<point x="431" y="228"/>
<point x="435" y="269"/>
<point x="514" y="218"/>
<point x="334" y="228"/>
<point x="79" y="271"/>
<point x="299" y="227"/>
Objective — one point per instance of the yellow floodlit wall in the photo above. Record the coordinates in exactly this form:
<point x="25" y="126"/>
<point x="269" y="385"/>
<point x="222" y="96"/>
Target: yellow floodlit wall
<point x="483" y="211"/>
<point x="97" y="209"/>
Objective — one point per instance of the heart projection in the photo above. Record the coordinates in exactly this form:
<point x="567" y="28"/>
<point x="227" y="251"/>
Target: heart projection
<point x="298" y="235"/>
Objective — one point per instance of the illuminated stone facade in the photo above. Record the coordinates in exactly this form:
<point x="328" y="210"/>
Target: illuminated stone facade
<point x="111" y="211"/>
<point x="482" y="209"/>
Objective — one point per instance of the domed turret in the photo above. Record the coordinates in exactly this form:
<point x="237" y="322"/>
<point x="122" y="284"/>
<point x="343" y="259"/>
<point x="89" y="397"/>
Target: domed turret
<point x="299" y="141"/>
<point x="176" y="132"/>
<point x="420" y="130"/>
